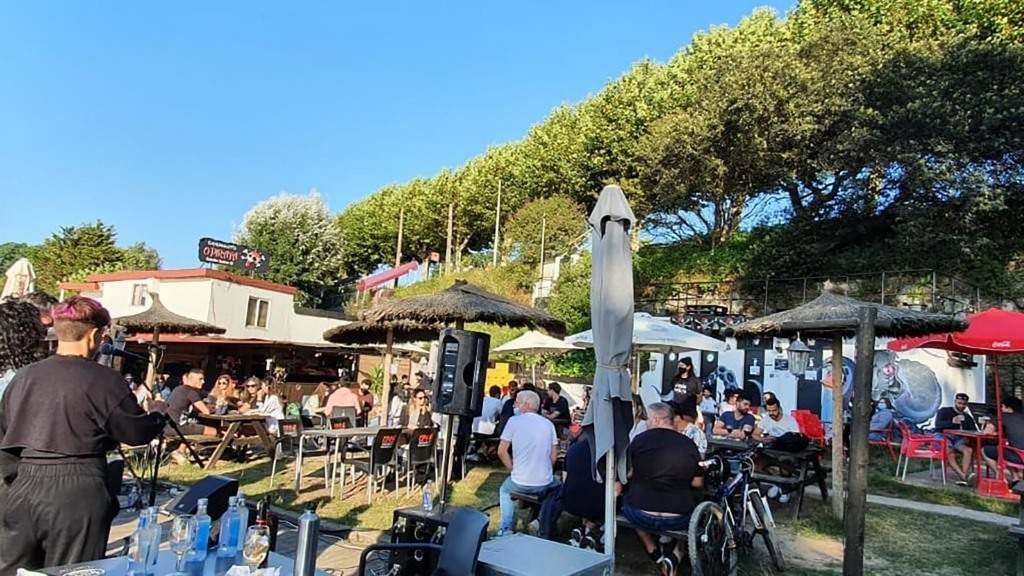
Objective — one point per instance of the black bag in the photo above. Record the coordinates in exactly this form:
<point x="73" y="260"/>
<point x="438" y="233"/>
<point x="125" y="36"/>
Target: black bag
<point x="791" y="442"/>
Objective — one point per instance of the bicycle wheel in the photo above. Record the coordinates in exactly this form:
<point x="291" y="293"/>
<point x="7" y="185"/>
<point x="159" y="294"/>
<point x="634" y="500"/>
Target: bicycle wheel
<point x="709" y="542"/>
<point x="768" y="533"/>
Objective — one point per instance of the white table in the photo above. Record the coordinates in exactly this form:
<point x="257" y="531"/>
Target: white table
<point x="342" y="436"/>
<point x="166" y="561"/>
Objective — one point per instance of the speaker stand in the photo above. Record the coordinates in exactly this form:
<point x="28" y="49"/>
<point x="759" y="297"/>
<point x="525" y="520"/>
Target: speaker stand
<point x="446" y="459"/>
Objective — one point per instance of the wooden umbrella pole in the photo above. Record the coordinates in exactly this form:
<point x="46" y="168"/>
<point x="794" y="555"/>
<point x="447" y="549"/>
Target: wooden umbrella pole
<point x="856" y="504"/>
<point x="837" y="427"/>
<point x="153" y="355"/>
<point x="386" y="395"/>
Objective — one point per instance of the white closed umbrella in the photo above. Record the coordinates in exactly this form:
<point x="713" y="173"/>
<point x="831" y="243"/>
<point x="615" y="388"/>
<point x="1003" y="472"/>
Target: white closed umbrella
<point x="534" y="342"/>
<point x="21" y="279"/>
<point x="655" y="334"/>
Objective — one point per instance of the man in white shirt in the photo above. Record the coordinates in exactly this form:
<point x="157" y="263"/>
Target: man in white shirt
<point x="487" y="420"/>
<point x="776" y="423"/>
<point x="534" y="443"/>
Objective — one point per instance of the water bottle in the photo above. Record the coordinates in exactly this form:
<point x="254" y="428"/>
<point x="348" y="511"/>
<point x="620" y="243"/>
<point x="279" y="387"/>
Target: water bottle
<point x="203" y="525"/>
<point x="305" y="548"/>
<point x="428" y="497"/>
<point x="145" y="544"/>
<point x="227" y="542"/>
<point x="243" y="520"/>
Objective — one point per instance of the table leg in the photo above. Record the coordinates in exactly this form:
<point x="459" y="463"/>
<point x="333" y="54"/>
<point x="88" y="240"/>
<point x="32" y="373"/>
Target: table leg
<point x="803" y="486"/>
<point x="264" y="436"/>
<point x="298" y="467"/>
<point x="229" y="435"/>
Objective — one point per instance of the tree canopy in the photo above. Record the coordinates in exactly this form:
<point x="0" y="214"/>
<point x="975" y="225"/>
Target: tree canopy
<point x="75" y="252"/>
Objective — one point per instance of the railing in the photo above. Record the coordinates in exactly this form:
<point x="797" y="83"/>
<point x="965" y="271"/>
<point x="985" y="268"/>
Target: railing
<point x="924" y="289"/>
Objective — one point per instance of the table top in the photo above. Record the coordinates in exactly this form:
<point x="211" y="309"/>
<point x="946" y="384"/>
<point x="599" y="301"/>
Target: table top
<point x="232" y="417"/>
<point x="165" y="565"/>
<point x="970" y="433"/>
<point x="342" y="432"/>
<point x="728" y="443"/>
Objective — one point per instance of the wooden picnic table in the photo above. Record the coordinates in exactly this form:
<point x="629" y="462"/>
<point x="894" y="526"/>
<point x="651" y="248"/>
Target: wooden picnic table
<point x="807" y="461"/>
<point x="233" y="423"/>
<point x="978" y="438"/>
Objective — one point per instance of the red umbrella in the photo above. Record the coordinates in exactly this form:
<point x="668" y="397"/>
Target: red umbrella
<point x="993" y="331"/>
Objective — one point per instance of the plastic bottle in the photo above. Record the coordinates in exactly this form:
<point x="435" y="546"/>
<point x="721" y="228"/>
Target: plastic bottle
<point x="305" y="548"/>
<point x="145" y="543"/>
<point x="203" y="525"/>
<point x="428" y="497"/>
<point x="227" y="542"/>
<point x="243" y="521"/>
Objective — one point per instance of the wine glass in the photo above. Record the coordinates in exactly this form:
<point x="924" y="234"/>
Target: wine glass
<point x="181" y="539"/>
<point x="256" y="546"/>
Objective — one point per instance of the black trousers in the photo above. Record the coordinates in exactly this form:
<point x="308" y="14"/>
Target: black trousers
<point x="55" y="514"/>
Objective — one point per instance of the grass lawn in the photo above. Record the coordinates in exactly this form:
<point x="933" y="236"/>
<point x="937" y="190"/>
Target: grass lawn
<point x="898" y="541"/>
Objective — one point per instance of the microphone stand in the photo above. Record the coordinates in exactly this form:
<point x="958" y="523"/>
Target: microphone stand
<point x="196" y="458"/>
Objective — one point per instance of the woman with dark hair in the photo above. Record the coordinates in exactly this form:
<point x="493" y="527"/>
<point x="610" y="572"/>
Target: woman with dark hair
<point x="58" y="505"/>
<point x="21" y="338"/>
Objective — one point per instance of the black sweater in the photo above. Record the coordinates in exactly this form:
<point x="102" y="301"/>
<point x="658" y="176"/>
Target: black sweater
<point x="73" y="407"/>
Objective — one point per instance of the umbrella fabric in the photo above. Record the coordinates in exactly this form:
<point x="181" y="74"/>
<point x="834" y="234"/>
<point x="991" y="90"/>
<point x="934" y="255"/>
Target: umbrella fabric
<point x="993" y="331"/>
<point x="611" y="311"/>
<point x="653" y="334"/>
<point x="20" y="279"/>
<point x="534" y="342"/>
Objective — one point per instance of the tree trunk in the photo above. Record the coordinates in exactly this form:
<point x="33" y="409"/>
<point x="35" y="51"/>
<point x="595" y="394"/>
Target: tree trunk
<point x="838" y="487"/>
<point x="856" y="505"/>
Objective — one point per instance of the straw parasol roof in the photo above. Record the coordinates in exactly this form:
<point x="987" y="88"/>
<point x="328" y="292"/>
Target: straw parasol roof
<point x="464" y="302"/>
<point x="157" y="318"/>
<point x="831" y="314"/>
<point x="370" y="333"/>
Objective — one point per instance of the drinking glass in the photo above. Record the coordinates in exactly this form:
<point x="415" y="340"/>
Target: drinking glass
<point x="256" y="546"/>
<point x="181" y="539"/>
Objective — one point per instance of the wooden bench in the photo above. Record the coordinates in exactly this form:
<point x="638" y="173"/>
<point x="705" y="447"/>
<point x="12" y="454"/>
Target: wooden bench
<point x="531" y="502"/>
<point x="623" y="522"/>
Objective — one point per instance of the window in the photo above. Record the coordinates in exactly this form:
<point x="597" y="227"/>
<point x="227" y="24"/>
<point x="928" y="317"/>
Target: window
<point x="139" y="294"/>
<point x="256" y="313"/>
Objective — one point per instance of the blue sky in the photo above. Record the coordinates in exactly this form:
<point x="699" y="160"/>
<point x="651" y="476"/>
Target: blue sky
<point x="170" y="121"/>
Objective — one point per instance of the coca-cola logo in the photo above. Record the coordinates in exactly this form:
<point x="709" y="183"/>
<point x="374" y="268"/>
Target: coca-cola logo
<point x="1002" y="344"/>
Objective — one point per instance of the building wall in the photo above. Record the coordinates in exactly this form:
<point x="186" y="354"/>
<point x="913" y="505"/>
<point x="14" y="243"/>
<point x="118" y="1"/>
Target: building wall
<point x="311" y="328"/>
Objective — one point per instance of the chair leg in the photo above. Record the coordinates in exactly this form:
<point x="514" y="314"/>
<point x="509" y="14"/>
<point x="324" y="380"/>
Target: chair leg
<point x="273" y="467"/>
<point x="898" y="462"/>
<point x="906" y="464"/>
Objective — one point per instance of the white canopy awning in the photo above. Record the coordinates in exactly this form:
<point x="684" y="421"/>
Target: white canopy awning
<point x="654" y="334"/>
<point x="534" y="342"/>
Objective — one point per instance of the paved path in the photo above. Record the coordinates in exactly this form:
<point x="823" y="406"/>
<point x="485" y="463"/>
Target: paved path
<point x="955" y="511"/>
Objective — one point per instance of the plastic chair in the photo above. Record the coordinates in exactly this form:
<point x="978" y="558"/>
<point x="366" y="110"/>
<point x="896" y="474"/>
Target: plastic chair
<point x="421" y="453"/>
<point x="466" y="532"/>
<point x="887" y="441"/>
<point x="344" y="412"/>
<point x="1007" y="449"/>
<point x="290" y="431"/>
<point x="810" y="425"/>
<point x="383" y="454"/>
<point x="920" y="447"/>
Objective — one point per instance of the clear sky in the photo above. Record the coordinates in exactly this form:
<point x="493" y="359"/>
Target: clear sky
<point x="170" y="121"/>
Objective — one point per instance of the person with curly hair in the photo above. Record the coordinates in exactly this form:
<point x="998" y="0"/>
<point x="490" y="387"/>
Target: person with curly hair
<point x="58" y="419"/>
<point x="21" y="338"/>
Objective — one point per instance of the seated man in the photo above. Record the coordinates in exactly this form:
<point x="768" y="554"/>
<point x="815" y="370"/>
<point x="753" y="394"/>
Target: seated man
<point x="685" y="412"/>
<point x="957" y="417"/>
<point x="738" y="422"/>
<point x="535" y="446"/>
<point x="776" y="423"/>
<point x="344" y="397"/>
<point x="664" y="464"/>
<point x="1013" y="430"/>
<point x="881" y="420"/>
<point x="581" y="495"/>
<point x="486" y="424"/>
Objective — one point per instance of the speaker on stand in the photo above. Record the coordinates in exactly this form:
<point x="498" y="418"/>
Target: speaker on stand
<point x="459" y="387"/>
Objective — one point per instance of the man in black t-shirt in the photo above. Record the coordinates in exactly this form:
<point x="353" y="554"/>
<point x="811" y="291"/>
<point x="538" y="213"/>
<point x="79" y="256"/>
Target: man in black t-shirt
<point x="186" y="400"/>
<point x="556" y="408"/>
<point x="1013" y="431"/>
<point x="957" y="417"/>
<point x="685" y="381"/>
<point x="664" y="465"/>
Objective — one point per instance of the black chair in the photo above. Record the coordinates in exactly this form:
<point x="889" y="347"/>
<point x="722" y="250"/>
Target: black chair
<point x="345" y="412"/>
<point x="290" y="430"/>
<point x="421" y="453"/>
<point x="383" y="454"/>
<point x="466" y="532"/>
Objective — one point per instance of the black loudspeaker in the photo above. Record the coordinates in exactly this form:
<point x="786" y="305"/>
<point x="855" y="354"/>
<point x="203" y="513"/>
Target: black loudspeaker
<point x="415" y="526"/>
<point x="216" y="490"/>
<point x="461" y="372"/>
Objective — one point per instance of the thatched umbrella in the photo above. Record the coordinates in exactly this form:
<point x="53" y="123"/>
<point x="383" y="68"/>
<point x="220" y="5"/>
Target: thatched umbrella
<point x="833" y="315"/>
<point x="462" y="303"/>
<point x="387" y="334"/>
<point x="156" y="319"/>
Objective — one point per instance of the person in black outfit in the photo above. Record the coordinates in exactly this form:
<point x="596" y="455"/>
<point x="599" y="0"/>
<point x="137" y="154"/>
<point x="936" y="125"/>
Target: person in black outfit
<point x="59" y="417"/>
<point x="556" y="408"/>
<point x="685" y="381"/>
<point x="664" y="464"/>
<point x="581" y="495"/>
<point x="957" y="417"/>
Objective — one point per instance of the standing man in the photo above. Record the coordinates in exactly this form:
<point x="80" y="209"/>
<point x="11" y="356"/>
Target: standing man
<point x="366" y="400"/>
<point x="60" y="417"/>
<point x="957" y="417"/>
<point x="685" y="381"/>
<point x="513" y="387"/>
<point x="535" y="449"/>
<point x="739" y="422"/>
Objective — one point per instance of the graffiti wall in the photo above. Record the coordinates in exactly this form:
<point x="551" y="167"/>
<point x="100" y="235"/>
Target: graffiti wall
<point x="917" y="383"/>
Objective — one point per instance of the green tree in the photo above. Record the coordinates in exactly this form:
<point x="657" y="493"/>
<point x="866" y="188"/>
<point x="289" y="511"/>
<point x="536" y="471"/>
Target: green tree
<point x="303" y="244"/>
<point x="570" y="298"/>
<point x="563" y="222"/>
<point x="10" y="252"/>
<point x="73" y="249"/>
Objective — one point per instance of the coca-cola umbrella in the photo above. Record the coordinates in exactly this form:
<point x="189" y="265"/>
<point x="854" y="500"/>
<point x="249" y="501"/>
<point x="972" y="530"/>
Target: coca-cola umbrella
<point x="994" y="332"/>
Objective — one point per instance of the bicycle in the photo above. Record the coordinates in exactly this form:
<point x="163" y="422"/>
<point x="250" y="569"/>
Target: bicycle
<point x="732" y="519"/>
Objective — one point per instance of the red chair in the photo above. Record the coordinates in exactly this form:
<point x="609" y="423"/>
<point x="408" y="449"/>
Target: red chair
<point x="920" y="447"/>
<point x="887" y="441"/>
<point x="1007" y="449"/>
<point x="810" y="425"/>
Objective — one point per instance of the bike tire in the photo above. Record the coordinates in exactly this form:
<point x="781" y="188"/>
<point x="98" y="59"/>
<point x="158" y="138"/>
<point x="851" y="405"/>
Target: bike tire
<point x="768" y="534"/>
<point x="709" y="542"/>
